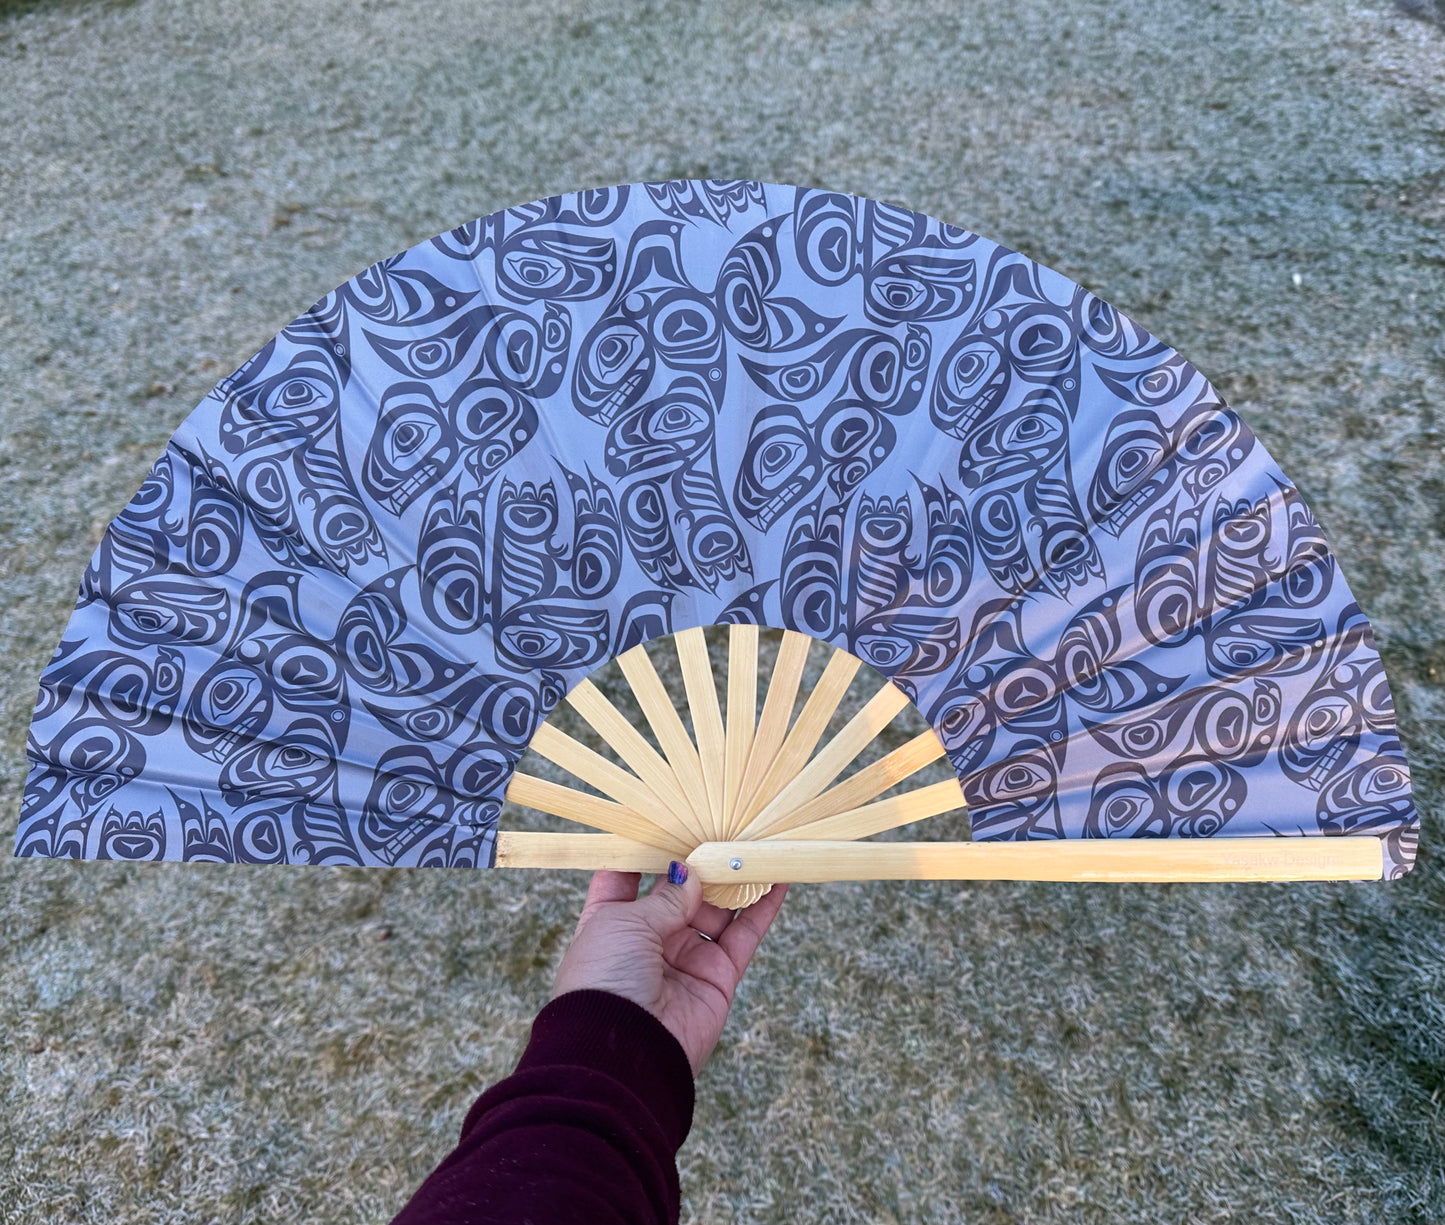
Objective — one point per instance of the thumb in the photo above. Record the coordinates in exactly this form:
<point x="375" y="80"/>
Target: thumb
<point x="672" y="904"/>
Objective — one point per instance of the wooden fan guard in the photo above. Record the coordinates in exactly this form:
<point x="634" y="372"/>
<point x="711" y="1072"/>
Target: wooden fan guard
<point x="750" y="802"/>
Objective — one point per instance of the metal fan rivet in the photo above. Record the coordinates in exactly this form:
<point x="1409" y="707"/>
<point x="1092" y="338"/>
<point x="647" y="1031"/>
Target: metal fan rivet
<point x="736" y="865"/>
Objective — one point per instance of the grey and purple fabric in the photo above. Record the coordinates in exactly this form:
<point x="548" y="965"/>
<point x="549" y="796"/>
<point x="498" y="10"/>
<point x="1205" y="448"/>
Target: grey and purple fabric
<point x="373" y="558"/>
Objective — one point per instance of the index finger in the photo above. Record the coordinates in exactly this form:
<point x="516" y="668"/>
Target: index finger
<point x="742" y="936"/>
<point x="610" y="886"/>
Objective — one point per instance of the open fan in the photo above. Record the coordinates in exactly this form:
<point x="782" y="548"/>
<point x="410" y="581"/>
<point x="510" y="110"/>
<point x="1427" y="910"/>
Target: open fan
<point x="370" y="563"/>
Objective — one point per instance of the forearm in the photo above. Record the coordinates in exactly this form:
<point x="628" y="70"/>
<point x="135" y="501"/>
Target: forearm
<point x="585" y="1130"/>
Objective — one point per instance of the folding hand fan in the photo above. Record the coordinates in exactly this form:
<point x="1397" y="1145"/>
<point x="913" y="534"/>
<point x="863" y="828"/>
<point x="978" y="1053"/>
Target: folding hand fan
<point x="370" y="563"/>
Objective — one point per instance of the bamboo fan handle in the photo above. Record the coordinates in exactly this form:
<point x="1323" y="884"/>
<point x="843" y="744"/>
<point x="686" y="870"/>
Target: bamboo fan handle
<point x="747" y="801"/>
<point x="1117" y="860"/>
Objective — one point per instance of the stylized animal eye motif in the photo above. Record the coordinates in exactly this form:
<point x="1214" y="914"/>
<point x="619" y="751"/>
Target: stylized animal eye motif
<point x="1122" y="810"/>
<point x="1157" y="386"/>
<point x="897" y="294"/>
<point x="878" y="368"/>
<point x="513" y="712"/>
<point x="597" y="531"/>
<point x="682" y="325"/>
<point x="663" y="434"/>
<point x="1041" y="343"/>
<point x="881" y="651"/>
<point x="535" y="272"/>
<point x="1126" y="802"/>
<point x="845" y="430"/>
<point x="390" y="292"/>
<point x="1027" y="441"/>
<point x="517" y="348"/>
<point x="295" y="767"/>
<point x="920" y="286"/>
<point x="1100" y="326"/>
<point x="970" y="368"/>
<point x="854" y="439"/>
<point x="1064" y="546"/>
<point x="407" y="787"/>
<point x="554" y="637"/>
<point x="451" y="562"/>
<point x="972" y="381"/>
<point x="295" y="394"/>
<point x="676" y="419"/>
<point x="292" y="405"/>
<point x="410" y="435"/>
<point x="1132" y="460"/>
<point x="1143" y="457"/>
<point x="1250" y="642"/>
<point x="614" y="350"/>
<point x="216" y="530"/>
<point x="556" y="265"/>
<point x="1381" y="781"/>
<point x="1014" y="797"/>
<point x="779" y="455"/>
<point x="780" y="465"/>
<point x="168" y="610"/>
<point x="601" y="206"/>
<point x="611" y="371"/>
<point x="745" y="310"/>
<point x="1372" y="795"/>
<point x="1132" y="471"/>
<point x="826" y="237"/>
<point x="715" y="544"/>
<point x="1154" y="387"/>
<point x="431" y="356"/>
<point x="439" y="353"/>
<point x="897" y="642"/>
<point x="495" y="422"/>
<point x="412" y="447"/>
<point x="1203" y="795"/>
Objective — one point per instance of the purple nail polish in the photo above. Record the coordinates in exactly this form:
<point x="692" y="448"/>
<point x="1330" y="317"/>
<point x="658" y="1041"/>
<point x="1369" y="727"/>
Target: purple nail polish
<point x="676" y="873"/>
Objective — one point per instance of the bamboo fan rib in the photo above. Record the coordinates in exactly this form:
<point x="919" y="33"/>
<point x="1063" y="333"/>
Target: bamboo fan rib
<point x="747" y="799"/>
<point x="742" y="710"/>
<point x="739" y="776"/>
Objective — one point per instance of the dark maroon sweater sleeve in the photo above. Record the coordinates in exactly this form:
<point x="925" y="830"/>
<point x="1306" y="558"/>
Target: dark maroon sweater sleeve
<point x="585" y="1130"/>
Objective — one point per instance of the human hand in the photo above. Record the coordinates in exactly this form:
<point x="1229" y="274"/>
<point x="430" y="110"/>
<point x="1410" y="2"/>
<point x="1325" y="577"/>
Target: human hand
<point x="648" y="950"/>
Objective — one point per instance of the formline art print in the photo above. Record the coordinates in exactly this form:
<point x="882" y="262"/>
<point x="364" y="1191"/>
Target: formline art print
<point x="376" y="556"/>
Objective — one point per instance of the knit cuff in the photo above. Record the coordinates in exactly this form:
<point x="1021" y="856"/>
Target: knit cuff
<point x="622" y="1040"/>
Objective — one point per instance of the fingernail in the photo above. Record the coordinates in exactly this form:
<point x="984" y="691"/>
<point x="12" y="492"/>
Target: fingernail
<point x="676" y="873"/>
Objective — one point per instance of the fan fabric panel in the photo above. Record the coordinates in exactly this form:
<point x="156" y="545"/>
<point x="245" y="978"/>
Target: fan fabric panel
<point x="374" y="558"/>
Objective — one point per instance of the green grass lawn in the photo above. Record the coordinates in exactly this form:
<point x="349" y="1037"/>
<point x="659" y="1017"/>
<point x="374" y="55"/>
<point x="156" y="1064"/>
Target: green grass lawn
<point x="1259" y="185"/>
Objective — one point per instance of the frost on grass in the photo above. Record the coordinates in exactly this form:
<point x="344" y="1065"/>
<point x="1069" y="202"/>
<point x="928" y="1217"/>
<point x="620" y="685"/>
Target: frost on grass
<point x="234" y="1044"/>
